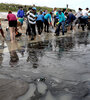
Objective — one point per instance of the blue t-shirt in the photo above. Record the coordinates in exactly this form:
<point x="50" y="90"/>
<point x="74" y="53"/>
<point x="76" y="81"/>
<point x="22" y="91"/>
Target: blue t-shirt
<point x="47" y="16"/>
<point x="61" y="17"/>
<point x="40" y="17"/>
<point x="20" y="13"/>
<point x="71" y="18"/>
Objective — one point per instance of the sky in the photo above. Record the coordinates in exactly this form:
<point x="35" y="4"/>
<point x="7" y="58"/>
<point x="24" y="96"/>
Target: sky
<point x="74" y="4"/>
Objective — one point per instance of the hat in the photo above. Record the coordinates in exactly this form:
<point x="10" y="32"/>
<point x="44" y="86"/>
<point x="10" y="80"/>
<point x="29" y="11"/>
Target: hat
<point x="34" y="8"/>
<point x="59" y="11"/>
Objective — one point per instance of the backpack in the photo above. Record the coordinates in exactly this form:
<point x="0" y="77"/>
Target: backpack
<point x="73" y="17"/>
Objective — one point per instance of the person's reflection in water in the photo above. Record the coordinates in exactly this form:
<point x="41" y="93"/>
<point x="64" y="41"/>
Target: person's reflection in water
<point x="83" y="38"/>
<point x="35" y="53"/>
<point x="65" y="44"/>
<point x="1" y="53"/>
<point x="32" y="57"/>
<point x="53" y="43"/>
<point x="13" y="54"/>
<point x="13" y="58"/>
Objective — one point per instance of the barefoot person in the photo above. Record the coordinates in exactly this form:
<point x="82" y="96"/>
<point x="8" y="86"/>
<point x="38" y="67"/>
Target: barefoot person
<point x="12" y="25"/>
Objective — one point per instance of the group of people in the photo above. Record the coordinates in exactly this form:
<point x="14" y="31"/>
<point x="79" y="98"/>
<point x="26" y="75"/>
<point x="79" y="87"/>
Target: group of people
<point x="58" y="19"/>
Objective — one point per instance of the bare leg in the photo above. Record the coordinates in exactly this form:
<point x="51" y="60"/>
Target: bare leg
<point x="68" y="28"/>
<point x="74" y="28"/>
<point x="14" y="33"/>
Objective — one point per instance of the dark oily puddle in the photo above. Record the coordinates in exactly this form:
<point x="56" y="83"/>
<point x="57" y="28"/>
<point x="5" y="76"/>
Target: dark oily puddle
<point x="56" y="69"/>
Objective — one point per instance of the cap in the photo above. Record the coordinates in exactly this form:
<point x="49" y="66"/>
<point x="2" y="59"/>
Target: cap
<point x="34" y="8"/>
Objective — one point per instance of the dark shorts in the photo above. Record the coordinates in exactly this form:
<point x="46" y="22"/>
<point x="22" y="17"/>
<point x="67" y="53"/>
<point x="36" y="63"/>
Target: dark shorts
<point x="12" y="23"/>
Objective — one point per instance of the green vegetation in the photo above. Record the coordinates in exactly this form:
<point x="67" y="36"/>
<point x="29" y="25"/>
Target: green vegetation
<point x="7" y="7"/>
<point x="14" y="7"/>
<point x="4" y="7"/>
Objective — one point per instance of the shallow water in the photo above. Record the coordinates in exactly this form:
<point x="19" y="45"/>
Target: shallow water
<point x="63" y="64"/>
<point x="66" y="97"/>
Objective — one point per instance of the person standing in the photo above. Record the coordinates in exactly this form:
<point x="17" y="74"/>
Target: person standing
<point x="32" y="22"/>
<point x="39" y="21"/>
<point x="78" y="16"/>
<point x="70" y="20"/>
<point x="25" y="10"/>
<point x="84" y="18"/>
<point x="79" y="13"/>
<point x="85" y="14"/>
<point x="20" y="15"/>
<point x="12" y="25"/>
<point x="28" y="30"/>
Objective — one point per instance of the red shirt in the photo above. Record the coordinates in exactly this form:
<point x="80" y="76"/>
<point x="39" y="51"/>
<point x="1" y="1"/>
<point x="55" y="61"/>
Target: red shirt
<point x="11" y="17"/>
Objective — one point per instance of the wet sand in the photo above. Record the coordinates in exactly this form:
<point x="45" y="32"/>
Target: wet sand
<point x="48" y="68"/>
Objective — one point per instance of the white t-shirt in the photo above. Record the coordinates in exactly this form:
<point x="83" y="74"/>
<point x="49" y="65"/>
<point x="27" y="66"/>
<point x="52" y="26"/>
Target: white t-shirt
<point x="79" y="14"/>
<point x="55" y="12"/>
<point x="85" y="13"/>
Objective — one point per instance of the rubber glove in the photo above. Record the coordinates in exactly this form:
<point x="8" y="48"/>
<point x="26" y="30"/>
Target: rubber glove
<point x="57" y="23"/>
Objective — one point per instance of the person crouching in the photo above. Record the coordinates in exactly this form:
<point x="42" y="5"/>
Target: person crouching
<point x="61" y="22"/>
<point x="46" y="22"/>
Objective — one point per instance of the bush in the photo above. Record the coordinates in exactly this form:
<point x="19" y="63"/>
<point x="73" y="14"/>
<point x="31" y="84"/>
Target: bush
<point x="14" y="7"/>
